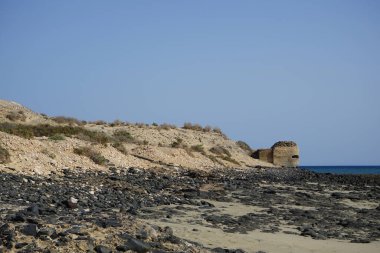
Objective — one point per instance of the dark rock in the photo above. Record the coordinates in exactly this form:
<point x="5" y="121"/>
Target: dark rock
<point x="20" y="245"/>
<point x="30" y="229"/>
<point x="360" y="241"/>
<point x="102" y="249"/>
<point x="33" y="210"/>
<point x="135" y="244"/>
<point x="18" y="217"/>
<point x="71" y="203"/>
<point x="46" y="231"/>
<point x="122" y="248"/>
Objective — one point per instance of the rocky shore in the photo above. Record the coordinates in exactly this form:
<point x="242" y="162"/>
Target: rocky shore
<point x="134" y="210"/>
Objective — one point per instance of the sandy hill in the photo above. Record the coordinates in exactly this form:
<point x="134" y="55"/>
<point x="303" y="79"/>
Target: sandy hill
<point x="34" y="143"/>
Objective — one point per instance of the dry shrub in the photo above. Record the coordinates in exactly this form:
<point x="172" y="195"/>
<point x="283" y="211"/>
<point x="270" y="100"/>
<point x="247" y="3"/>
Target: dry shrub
<point x="178" y="143"/>
<point x="120" y="147"/>
<point x="207" y="129"/>
<point x="67" y="120"/>
<point x="16" y="116"/>
<point x="45" y="151"/>
<point x="198" y="148"/>
<point x="229" y="159"/>
<point x="244" y="146"/>
<point x="57" y="137"/>
<point x="219" y="150"/>
<point x="141" y="125"/>
<point x="29" y="131"/>
<point x="195" y="127"/>
<point x="122" y="136"/>
<point x="94" y="155"/>
<point x="116" y="123"/>
<point x="5" y="157"/>
<point x="166" y="126"/>
<point x="99" y="122"/>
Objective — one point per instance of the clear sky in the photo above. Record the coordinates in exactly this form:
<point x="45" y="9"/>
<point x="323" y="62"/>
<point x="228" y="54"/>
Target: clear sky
<point x="262" y="71"/>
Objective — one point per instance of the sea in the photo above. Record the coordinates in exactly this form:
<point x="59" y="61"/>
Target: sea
<point x="369" y="170"/>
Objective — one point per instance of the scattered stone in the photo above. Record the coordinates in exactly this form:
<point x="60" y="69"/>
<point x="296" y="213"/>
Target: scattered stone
<point x="30" y="229"/>
<point x="72" y="203"/>
<point x="102" y="249"/>
<point x="135" y="244"/>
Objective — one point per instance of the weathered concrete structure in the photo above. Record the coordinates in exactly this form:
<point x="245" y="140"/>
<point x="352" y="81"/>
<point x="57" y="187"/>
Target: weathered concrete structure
<point x="282" y="153"/>
<point x="265" y="155"/>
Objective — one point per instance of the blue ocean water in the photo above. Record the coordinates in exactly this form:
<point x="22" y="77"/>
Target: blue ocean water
<point x="344" y="169"/>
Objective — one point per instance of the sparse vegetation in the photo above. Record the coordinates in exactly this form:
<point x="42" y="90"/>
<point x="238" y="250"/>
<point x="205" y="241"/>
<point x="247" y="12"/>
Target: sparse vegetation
<point x="141" y="125"/>
<point x="16" y="116"/>
<point x="116" y="123"/>
<point x="48" y="153"/>
<point x="57" y="137"/>
<point x="29" y="131"/>
<point x="166" y="126"/>
<point x="154" y="124"/>
<point x="198" y="148"/>
<point x="99" y="122"/>
<point x="67" y="120"/>
<point x="214" y="159"/>
<point x="178" y="143"/>
<point x="219" y="150"/>
<point x="122" y="136"/>
<point x="207" y="129"/>
<point x="218" y="131"/>
<point x="191" y="126"/>
<point x="120" y="147"/>
<point x="4" y="155"/>
<point x="94" y="155"/>
<point x="197" y="127"/>
<point x="244" y="146"/>
<point x="230" y="159"/>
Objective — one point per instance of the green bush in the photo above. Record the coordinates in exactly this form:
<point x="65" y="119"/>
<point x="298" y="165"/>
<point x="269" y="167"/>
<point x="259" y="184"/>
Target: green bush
<point x="57" y="137"/>
<point x="95" y="156"/>
<point x="122" y="136"/>
<point x="29" y="131"/>
<point x="5" y="157"/>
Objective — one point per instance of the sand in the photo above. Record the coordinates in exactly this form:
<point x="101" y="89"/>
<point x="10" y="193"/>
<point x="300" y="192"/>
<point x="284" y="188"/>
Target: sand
<point x="191" y="226"/>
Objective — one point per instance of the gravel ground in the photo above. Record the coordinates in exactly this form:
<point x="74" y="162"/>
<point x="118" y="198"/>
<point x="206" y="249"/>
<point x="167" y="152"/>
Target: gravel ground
<point x="105" y="211"/>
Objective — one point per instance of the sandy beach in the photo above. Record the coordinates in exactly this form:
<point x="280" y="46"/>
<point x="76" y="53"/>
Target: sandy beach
<point x="226" y="210"/>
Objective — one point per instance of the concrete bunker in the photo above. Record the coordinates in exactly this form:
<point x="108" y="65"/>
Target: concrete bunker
<point x="282" y="153"/>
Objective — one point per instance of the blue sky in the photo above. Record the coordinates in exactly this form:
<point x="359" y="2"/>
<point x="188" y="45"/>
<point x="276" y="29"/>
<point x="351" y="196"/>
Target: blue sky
<point x="263" y="71"/>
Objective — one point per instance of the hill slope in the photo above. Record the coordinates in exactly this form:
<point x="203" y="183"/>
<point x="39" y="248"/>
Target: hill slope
<point x="40" y="144"/>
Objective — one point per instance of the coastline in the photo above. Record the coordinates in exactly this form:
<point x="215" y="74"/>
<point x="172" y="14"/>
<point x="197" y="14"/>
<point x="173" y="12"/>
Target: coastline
<point x="345" y="169"/>
<point x="268" y="210"/>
